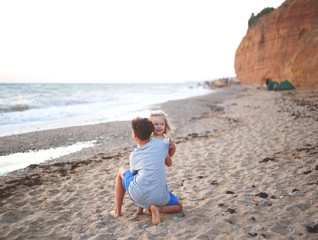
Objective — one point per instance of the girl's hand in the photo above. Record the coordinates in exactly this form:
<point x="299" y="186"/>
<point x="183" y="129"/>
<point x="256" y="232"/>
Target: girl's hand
<point x="172" y="148"/>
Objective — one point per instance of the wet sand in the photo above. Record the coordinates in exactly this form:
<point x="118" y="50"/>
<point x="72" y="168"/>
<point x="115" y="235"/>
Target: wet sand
<point x="245" y="168"/>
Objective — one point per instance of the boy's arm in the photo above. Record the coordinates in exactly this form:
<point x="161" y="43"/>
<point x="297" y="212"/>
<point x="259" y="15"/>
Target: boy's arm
<point x="172" y="148"/>
<point x="168" y="160"/>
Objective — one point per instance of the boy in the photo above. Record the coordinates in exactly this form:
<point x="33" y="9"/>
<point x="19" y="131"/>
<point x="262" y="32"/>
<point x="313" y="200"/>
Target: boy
<point x="145" y="181"/>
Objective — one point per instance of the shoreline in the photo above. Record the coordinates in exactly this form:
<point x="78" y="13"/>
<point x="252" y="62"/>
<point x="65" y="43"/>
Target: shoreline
<point x="246" y="164"/>
<point x="64" y="136"/>
<point x="107" y="133"/>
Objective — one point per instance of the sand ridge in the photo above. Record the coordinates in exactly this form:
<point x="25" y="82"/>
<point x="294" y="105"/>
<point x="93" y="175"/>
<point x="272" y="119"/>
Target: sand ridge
<point x="245" y="168"/>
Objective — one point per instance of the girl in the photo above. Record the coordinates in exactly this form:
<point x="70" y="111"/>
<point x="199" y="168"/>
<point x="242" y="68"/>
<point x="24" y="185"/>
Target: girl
<point x="162" y="127"/>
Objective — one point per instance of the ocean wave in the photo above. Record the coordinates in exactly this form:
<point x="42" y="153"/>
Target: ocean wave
<point x="15" y="108"/>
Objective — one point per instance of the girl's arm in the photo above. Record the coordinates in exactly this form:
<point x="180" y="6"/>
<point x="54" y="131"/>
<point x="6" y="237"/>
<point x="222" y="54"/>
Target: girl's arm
<point x="168" y="160"/>
<point x="172" y="148"/>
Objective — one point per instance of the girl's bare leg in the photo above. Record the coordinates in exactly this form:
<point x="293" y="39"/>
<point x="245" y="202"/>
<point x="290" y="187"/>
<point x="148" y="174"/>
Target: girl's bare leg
<point x="164" y="209"/>
<point x="119" y="193"/>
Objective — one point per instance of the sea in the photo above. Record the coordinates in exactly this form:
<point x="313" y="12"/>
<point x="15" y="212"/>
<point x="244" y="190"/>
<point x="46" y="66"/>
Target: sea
<point x="34" y="107"/>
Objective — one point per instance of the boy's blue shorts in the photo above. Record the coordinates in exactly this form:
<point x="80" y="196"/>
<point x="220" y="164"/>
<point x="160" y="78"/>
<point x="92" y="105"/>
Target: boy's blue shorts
<point x="128" y="177"/>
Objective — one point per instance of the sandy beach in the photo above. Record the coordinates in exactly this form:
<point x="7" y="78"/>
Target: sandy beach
<point x="245" y="168"/>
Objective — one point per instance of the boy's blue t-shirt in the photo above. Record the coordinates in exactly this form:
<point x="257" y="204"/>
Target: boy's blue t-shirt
<point x="149" y="185"/>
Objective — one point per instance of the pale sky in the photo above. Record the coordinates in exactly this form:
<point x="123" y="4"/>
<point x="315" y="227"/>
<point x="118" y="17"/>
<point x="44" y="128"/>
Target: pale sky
<point x="122" y="40"/>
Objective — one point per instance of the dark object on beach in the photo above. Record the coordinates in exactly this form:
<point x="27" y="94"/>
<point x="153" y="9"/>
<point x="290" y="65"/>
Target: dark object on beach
<point x="267" y="159"/>
<point x="312" y="183"/>
<point x="253" y="234"/>
<point x="214" y="182"/>
<point x="283" y="85"/>
<point x="230" y="210"/>
<point x="262" y="195"/>
<point x="312" y="229"/>
<point x="229" y="192"/>
<point x="307" y="172"/>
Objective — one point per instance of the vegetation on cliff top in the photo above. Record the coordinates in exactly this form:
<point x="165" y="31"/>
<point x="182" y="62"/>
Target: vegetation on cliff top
<point x="253" y="19"/>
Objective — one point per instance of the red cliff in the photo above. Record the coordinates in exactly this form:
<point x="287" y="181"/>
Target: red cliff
<point x="282" y="45"/>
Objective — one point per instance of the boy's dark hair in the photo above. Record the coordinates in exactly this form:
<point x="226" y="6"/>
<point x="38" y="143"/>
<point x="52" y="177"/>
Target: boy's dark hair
<point x="142" y="127"/>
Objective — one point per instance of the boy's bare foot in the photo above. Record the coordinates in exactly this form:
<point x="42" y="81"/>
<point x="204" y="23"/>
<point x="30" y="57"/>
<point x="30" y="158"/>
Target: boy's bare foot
<point x="113" y="214"/>
<point x="138" y="213"/>
<point x="155" y="215"/>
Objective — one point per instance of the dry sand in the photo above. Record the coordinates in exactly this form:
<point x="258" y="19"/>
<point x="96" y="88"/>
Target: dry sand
<point x="245" y="168"/>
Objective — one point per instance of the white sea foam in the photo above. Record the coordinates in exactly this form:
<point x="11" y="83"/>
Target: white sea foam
<point x="17" y="161"/>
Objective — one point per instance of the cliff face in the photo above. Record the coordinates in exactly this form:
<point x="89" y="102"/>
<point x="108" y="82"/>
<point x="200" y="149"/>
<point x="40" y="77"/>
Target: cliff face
<point x="282" y="45"/>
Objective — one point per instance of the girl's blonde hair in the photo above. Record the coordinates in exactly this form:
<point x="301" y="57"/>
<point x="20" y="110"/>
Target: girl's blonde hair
<point x="160" y="113"/>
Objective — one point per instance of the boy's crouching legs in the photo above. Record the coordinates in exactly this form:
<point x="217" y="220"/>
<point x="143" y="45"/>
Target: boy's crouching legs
<point x="119" y="193"/>
<point x="164" y="209"/>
